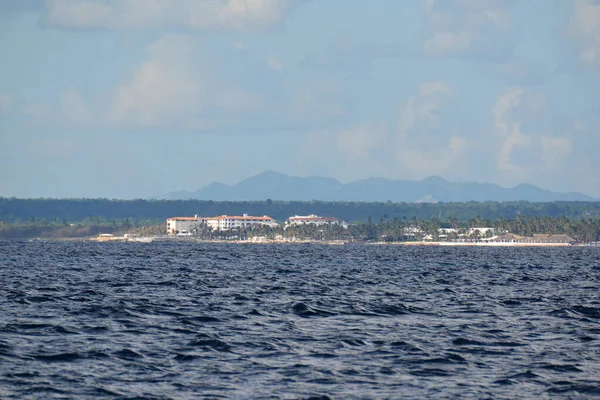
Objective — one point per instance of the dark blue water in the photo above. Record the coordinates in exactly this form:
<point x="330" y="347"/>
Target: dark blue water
<point x="183" y="321"/>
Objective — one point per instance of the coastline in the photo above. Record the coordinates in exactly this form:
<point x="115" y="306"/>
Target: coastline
<point x="490" y="244"/>
<point x="319" y="242"/>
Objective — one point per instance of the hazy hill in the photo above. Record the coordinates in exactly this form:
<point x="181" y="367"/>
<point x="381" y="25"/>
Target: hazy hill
<point x="276" y="186"/>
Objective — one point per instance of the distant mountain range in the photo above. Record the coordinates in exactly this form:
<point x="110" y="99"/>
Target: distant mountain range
<point x="276" y="186"/>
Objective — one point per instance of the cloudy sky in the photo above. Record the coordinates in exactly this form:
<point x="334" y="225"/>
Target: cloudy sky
<point x="134" y="98"/>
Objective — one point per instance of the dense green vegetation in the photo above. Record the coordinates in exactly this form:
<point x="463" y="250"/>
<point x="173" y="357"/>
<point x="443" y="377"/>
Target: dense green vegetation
<point x="146" y="212"/>
<point x="29" y="218"/>
<point x="83" y="229"/>
<point x="54" y="228"/>
<point x="582" y="230"/>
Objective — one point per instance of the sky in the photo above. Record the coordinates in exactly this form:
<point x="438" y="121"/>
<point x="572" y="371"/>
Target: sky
<point x="138" y="98"/>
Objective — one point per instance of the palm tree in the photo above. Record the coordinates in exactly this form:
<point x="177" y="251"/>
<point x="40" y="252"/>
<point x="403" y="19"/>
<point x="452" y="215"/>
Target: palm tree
<point x="453" y="222"/>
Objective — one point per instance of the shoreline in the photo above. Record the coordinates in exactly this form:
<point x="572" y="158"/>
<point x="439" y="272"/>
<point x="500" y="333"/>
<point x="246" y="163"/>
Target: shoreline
<point x="318" y="242"/>
<point x="492" y="244"/>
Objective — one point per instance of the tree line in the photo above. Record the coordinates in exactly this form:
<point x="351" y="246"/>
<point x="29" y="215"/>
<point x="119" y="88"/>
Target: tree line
<point x="385" y="229"/>
<point x="150" y="212"/>
<point x="403" y="229"/>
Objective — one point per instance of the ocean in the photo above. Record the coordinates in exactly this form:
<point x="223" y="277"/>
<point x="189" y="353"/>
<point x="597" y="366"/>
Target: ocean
<point x="280" y="321"/>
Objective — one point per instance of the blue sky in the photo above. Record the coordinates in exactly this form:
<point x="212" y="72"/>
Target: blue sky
<point x="135" y="98"/>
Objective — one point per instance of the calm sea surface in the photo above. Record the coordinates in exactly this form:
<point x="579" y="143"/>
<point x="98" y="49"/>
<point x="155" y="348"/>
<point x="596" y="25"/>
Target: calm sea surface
<point x="183" y="321"/>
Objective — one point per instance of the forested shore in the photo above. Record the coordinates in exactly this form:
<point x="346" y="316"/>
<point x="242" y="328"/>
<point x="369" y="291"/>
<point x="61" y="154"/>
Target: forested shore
<point x="147" y="212"/>
<point x="383" y="230"/>
<point x="404" y="230"/>
<point x="78" y="218"/>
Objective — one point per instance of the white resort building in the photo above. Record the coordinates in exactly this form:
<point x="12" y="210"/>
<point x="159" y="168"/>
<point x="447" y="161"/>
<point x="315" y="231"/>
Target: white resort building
<point x="226" y="222"/>
<point x="182" y="225"/>
<point x="313" y="219"/>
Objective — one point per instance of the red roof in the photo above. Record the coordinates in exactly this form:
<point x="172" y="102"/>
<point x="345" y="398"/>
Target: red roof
<point x="243" y="218"/>
<point x="312" y="219"/>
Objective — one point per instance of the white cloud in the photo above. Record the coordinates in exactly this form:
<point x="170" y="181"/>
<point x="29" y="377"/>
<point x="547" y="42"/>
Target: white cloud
<point x="422" y="106"/>
<point x="359" y="142"/>
<point x="544" y="149"/>
<point x="435" y="161"/>
<point x="585" y="23"/>
<point x="505" y="156"/>
<point x="467" y="28"/>
<point x="508" y="129"/>
<point x="515" y="70"/>
<point x="555" y="151"/>
<point x="187" y="84"/>
<point x="6" y="102"/>
<point x="37" y="115"/>
<point x="75" y="108"/>
<point x="191" y="14"/>
<point x="505" y="102"/>
<point x="50" y="148"/>
<point x="312" y="98"/>
<point x="174" y="87"/>
<point x="162" y="89"/>
<point x="442" y="43"/>
<point x="8" y="7"/>
<point x="417" y="147"/>
<point x="434" y="87"/>
<point x="274" y="63"/>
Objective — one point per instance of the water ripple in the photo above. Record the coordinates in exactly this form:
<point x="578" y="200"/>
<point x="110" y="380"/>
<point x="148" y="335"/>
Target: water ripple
<point x="183" y="320"/>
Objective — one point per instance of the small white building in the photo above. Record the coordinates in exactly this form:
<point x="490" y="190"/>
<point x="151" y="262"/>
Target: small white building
<point x="226" y="222"/>
<point x="183" y="225"/>
<point x="313" y="219"/>
<point x="411" y="231"/>
<point x="481" y="231"/>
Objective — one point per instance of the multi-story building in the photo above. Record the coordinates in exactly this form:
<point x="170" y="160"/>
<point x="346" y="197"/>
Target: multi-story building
<point x="226" y="222"/>
<point x="313" y="219"/>
<point x="182" y="225"/>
